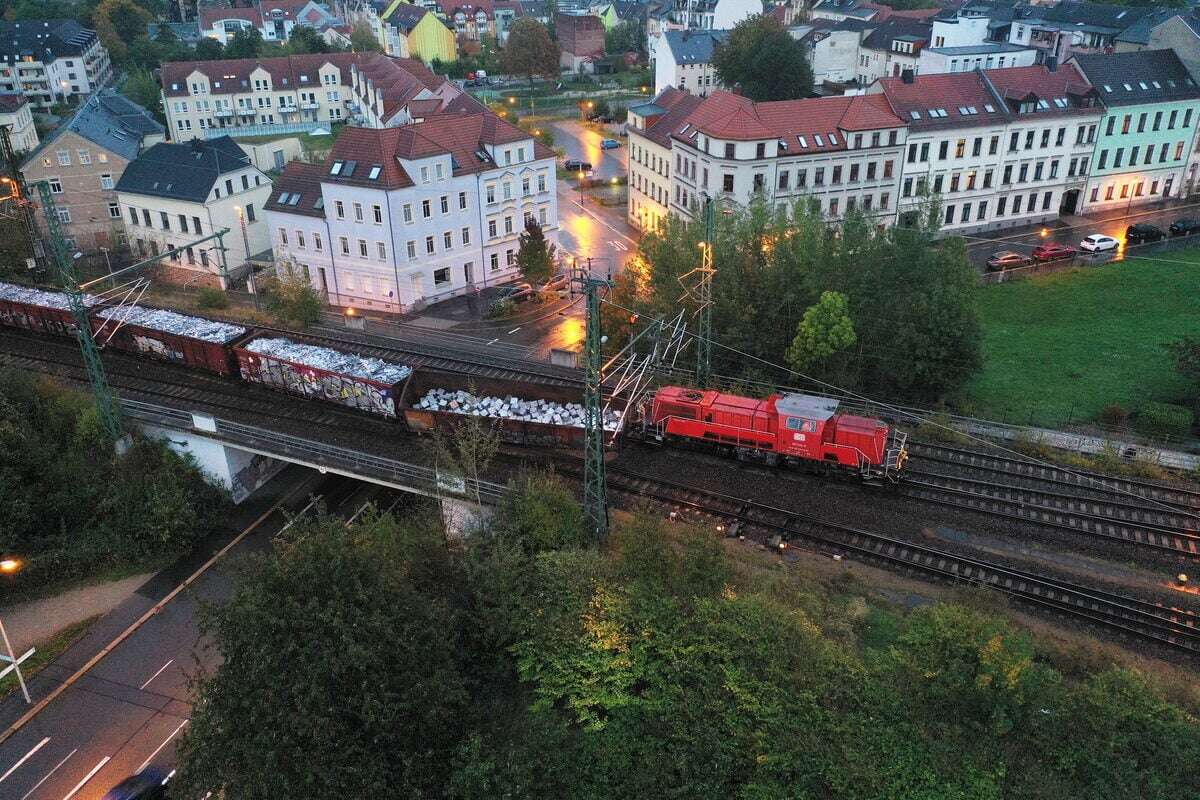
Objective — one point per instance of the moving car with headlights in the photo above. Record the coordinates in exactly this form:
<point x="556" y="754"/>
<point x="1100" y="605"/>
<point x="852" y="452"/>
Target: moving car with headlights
<point x="1098" y="243"/>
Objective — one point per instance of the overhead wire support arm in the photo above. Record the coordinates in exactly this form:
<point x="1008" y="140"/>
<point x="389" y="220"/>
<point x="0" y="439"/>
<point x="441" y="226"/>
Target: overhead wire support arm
<point x="595" y="496"/>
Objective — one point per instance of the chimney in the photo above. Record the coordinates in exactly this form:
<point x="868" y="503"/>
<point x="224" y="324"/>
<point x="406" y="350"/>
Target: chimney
<point x="907" y="76"/>
<point x="197" y="145"/>
<point x="1052" y="63"/>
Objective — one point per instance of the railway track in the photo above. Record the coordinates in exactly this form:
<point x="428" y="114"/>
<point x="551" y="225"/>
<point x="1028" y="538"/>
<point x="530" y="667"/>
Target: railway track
<point x="1103" y="485"/>
<point x="1176" y="629"/>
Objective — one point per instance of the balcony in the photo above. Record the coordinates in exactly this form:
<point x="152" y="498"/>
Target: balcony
<point x="310" y="106"/>
<point x="224" y="112"/>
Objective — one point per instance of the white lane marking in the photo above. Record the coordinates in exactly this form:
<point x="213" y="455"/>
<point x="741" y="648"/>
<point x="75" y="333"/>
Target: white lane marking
<point x="493" y="341"/>
<point x="87" y="778"/>
<point x="167" y="779"/>
<point x="24" y="758"/>
<point x="514" y="330"/>
<point x="158" y="749"/>
<point x="155" y="675"/>
<point x="38" y="785"/>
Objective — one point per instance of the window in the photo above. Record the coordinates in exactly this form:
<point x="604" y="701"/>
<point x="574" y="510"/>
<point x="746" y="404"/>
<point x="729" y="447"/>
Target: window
<point x="1095" y="194"/>
<point x="960" y="148"/>
<point x="250" y="212"/>
<point x="1124" y="191"/>
<point x="727" y="182"/>
<point x="1178" y="149"/>
<point x="853" y="173"/>
<point x="448" y="240"/>
<point x="1016" y="204"/>
<point x="1046" y="198"/>
<point x="1108" y="129"/>
<point x="1103" y="160"/>
<point x="317" y="242"/>
<point x="429" y="245"/>
<point x="437" y="170"/>
<point x="165" y="219"/>
<point x="924" y="151"/>
<point x="133" y="217"/>
<point x="937" y="183"/>
<point x="818" y="176"/>
<point x="1037" y="170"/>
<point x="943" y="149"/>
<point x="466" y="236"/>
<point x="381" y="249"/>
<point x="441" y="277"/>
<point x="509" y="260"/>
<point x="1171" y="119"/>
<point x="837" y="175"/>
<point x="1000" y="204"/>
<point x="1046" y="137"/>
<point x="300" y="239"/>
<point x="462" y="196"/>
<point x="424" y="174"/>
<point x="445" y="204"/>
<point x="283" y="240"/>
<point x="426" y="209"/>
<point x="966" y="213"/>
<point x="982" y="214"/>
<point x="408" y="212"/>
<point x="729" y="150"/>
<point x="760" y="149"/>
<point x="1029" y="140"/>
<point x="508" y="225"/>
<point x="907" y="191"/>
<point x="64" y="158"/>
<point x="883" y="200"/>
<point x="1125" y="123"/>
<point x="1013" y="141"/>
<point x="412" y="250"/>
<point x="1108" y="193"/>
<point x="377" y="212"/>
<point x="114" y="210"/>
<point x="1023" y="173"/>
<point x="1062" y="136"/>
<point x="784" y="177"/>
<point x="494" y="262"/>
<point x="106" y="181"/>
<point x="833" y="207"/>
<point x="345" y="245"/>
<point x="490" y="193"/>
<point x="977" y="146"/>
<point x="56" y="185"/>
<point x="993" y="145"/>
<point x="102" y="157"/>
<point x="245" y="182"/>
<point x="949" y="215"/>
<point x="912" y="153"/>
<point x="339" y="209"/>
<point x="887" y="169"/>
<point x="358" y="212"/>
<point x="1118" y="157"/>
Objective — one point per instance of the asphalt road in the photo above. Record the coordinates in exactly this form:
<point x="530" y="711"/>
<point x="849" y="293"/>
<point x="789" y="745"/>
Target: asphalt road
<point x="1071" y="230"/>
<point x="582" y="142"/>
<point x="126" y="713"/>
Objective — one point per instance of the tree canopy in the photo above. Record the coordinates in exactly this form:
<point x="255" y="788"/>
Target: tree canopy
<point x="362" y="40"/>
<point x="762" y="61"/>
<point x="530" y="51"/>
<point x="535" y="257"/>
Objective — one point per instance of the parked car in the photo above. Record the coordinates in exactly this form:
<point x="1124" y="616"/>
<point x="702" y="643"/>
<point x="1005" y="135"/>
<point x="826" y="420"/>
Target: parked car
<point x="558" y="283"/>
<point x="1184" y="227"/>
<point x="1098" y="242"/>
<point x="147" y="785"/>
<point x="517" y="292"/>
<point x="609" y="144"/>
<point x="1007" y="259"/>
<point x="575" y="165"/>
<point x="1143" y="232"/>
<point x="1052" y="251"/>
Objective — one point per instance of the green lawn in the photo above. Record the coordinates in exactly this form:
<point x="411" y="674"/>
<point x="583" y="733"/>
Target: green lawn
<point x="1059" y="348"/>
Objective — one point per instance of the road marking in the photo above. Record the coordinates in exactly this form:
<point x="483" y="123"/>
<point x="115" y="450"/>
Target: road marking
<point x="38" y="785"/>
<point x="617" y="245"/>
<point x="87" y="778"/>
<point x="514" y="330"/>
<point x="493" y="341"/>
<point x="158" y="749"/>
<point x="167" y="779"/>
<point x="125" y="634"/>
<point x="155" y="675"/>
<point x="24" y="758"/>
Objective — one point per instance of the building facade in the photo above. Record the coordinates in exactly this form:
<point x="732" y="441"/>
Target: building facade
<point x="83" y="159"/>
<point x="50" y="61"/>
<point x="404" y="29"/>
<point x="274" y="19"/>
<point x="387" y="92"/>
<point x="174" y="194"/>
<point x="683" y="59"/>
<point x="15" y="114"/>
<point x="400" y="217"/>
<point x="1148" y="130"/>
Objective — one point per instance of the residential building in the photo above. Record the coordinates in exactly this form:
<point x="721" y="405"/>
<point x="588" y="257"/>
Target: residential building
<point x="1166" y="30"/>
<point x="1147" y="133"/>
<point x="469" y="19"/>
<point x="173" y="194"/>
<point x="50" y="61"/>
<point x="399" y="217"/>
<point x="843" y="153"/>
<point x="405" y="29"/>
<point x="890" y="47"/>
<point x="838" y="10"/>
<point x="1066" y="28"/>
<point x="989" y="55"/>
<point x="1000" y="147"/>
<point x="274" y="19"/>
<point x="387" y="92"/>
<point x="16" y="116"/>
<point x="581" y="37"/>
<point x="683" y="59"/>
<point x="832" y="49"/>
<point x="84" y="158"/>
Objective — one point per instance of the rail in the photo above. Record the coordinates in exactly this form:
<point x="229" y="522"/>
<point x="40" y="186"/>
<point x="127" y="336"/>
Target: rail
<point x="402" y="475"/>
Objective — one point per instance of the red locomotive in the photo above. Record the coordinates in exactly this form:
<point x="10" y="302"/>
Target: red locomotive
<point x="795" y="428"/>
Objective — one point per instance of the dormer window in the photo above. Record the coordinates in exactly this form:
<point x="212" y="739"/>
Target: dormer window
<point x="336" y="169"/>
<point x="373" y="175"/>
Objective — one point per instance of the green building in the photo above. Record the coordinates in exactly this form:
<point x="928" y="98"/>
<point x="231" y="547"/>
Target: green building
<point x="1147" y="133"/>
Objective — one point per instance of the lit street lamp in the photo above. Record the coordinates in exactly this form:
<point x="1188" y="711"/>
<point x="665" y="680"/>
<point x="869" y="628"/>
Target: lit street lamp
<point x="10" y="566"/>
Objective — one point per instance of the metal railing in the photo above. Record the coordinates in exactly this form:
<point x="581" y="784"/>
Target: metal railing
<point x="402" y="475"/>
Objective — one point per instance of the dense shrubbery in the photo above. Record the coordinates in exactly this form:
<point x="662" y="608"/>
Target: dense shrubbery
<point x="1164" y="420"/>
<point x="70" y="508"/>
<point x="378" y="662"/>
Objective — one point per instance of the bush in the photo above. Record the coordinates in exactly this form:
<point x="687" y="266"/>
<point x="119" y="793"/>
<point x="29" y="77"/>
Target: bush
<point x="212" y="298"/>
<point x="502" y="308"/>
<point x="1164" y="420"/>
<point x="1113" y="415"/>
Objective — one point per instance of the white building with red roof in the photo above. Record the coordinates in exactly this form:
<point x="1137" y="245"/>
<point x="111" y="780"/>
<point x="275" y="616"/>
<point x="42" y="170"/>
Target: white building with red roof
<point x="400" y="217"/>
<point x="274" y="19"/>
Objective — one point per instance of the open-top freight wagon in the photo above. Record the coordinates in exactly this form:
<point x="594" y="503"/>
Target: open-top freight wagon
<point x="168" y="336"/>
<point x="37" y="310"/>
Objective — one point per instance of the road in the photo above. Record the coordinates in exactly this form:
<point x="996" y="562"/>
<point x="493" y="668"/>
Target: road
<point x="1070" y="230"/>
<point x="582" y="142"/>
<point x="127" y="711"/>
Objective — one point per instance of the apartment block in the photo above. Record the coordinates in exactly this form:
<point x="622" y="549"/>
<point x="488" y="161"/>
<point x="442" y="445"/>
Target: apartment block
<point x="15" y="115"/>
<point x="49" y="61"/>
<point x="274" y="19"/>
<point x="400" y="217"/>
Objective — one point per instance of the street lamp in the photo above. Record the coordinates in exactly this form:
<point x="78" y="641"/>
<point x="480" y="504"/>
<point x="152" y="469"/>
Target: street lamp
<point x="250" y="283"/>
<point x="108" y="263"/>
<point x="10" y="566"/>
<point x="581" y="187"/>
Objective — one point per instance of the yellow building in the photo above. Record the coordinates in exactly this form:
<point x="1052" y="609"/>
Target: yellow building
<point x="425" y="36"/>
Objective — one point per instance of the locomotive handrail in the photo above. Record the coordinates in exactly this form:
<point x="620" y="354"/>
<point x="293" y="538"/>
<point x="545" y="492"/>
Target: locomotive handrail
<point x="327" y="455"/>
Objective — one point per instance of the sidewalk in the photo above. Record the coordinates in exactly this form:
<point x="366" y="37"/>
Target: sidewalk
<point x="30" y="623"/>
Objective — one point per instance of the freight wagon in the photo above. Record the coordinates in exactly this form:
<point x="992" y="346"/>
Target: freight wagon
<point x="321" y="373"/>
<point x="524" y="413"/>
<point x="168" y="336"/>
<point x="37" y="310"/>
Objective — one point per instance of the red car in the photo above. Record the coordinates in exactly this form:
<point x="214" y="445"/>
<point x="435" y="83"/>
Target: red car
<point x="1052" y="251"/>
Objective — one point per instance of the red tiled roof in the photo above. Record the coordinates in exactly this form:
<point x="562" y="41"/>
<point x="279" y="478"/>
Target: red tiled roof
<point x="402" y="79"/>
<point x="678" y="105"/>
<point x="1039" y="81"/>
<point x="234" y="74"/>
<point x="945" y="92"/>
<point x="210" y="16"/>
<point x="300" y="178"/>
<point x="468" y="7"/>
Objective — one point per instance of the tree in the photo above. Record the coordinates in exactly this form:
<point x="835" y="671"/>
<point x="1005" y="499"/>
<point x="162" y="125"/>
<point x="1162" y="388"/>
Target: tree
<point x="246" y="43"/>
<point x="362" y="40"/>
<point x="119" y="23"/>
<point x="305" y="39"/>
<point x="625" y="37"/>
<point x="825" y="331"/>
<point x="535" y="258"/>
<point x="1186" y="352"/>
<point x="467" y="452"/>
<point x="342" y="672"/>
<point x="530" y="51"/>
<point x="208" y="49"/>
<point x="763" y="61"/>
<point x="292" y="298"/>
<point x="141" y="87"/>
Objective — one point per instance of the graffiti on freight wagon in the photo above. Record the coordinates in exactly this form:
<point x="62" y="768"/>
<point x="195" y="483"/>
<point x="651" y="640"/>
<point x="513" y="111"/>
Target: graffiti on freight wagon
<point x="16" y="317"/>
<point x="156" y="348"/>
<point x="315" y="384"/>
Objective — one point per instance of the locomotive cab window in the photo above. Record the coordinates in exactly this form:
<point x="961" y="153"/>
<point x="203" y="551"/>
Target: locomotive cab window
<point x="802" y="425"/>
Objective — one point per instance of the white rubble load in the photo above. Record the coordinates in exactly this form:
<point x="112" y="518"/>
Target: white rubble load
<point x="546" y="412"/>
<point x="156" y="319"/>
<point x="351" y="364"/>
<point x="38" y="297"/>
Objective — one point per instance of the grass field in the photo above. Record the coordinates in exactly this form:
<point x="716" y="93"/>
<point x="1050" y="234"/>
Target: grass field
<point x="1061" y="347"/>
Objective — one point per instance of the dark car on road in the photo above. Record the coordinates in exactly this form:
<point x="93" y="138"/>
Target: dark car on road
<point x="1184" y="227"/>
<point x="575" y="165"/>
<point x="148" y="785"/>
<point x="1052" y="251"/>
<point x="1143" y="232"/>
<point x="1007" y="259"/>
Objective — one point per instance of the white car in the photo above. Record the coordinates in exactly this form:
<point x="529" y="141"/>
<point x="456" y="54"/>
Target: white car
<point x="1098" y="242"/>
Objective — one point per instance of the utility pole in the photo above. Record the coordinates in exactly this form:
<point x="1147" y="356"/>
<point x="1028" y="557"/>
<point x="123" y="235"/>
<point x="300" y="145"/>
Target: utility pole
<point x="13" y="166"/>
<point x="107" y="404"/>
<point x="704" y="297"/>
<point x="595" y="496"/>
